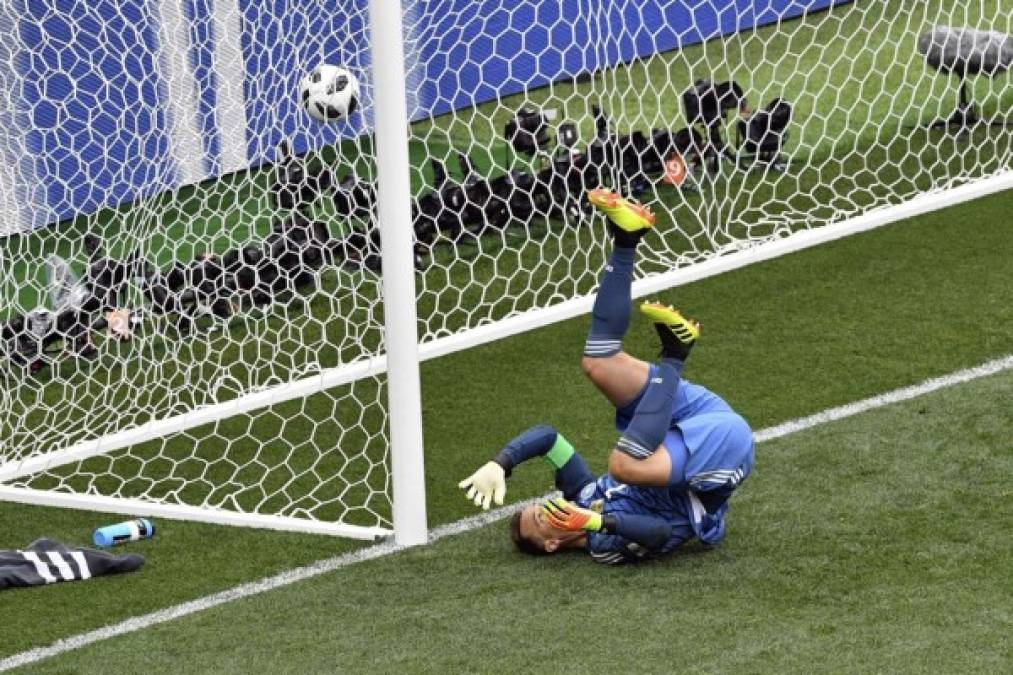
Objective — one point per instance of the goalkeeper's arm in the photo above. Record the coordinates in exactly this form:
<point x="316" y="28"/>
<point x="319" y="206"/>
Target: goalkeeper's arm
<point x="489" y="482"/>
<point x="650" y="532"/>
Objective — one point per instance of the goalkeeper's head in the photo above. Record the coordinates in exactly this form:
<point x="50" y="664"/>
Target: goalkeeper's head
<point x="531" y="533"/>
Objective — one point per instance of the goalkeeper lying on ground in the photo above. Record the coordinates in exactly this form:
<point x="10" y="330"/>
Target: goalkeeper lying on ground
<point x="682" y="453"/>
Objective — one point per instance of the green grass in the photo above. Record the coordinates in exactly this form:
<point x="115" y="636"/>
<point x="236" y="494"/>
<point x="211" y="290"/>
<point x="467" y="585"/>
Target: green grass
<point x="782" y="339"/>
<point x="875" y="544"/>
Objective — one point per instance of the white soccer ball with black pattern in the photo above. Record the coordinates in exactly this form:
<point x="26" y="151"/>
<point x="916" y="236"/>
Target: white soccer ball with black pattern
<point x="329" y="93"/>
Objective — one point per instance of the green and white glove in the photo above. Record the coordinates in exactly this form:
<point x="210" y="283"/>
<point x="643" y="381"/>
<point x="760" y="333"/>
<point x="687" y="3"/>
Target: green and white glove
<point x="486" y="485"/>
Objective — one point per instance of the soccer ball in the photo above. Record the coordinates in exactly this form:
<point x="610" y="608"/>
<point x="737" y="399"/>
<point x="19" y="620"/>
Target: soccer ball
<point x="329" y="93"/>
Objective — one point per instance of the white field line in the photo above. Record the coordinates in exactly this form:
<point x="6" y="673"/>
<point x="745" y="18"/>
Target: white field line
<point x="465" y="525"/>
<point x="895" y="396"/>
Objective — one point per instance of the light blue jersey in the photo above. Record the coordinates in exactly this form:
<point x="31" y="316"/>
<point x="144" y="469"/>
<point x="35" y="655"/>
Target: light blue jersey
<point x="690" y="400"/>
<point x="709" y="442"/>
<point x="711" y="448"/>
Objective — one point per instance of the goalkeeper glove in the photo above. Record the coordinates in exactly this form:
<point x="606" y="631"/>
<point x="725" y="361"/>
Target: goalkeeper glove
<point x="485" y="485"/>
<point x="563" y="515"/>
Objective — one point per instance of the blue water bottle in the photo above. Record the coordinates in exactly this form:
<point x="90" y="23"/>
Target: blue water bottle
<point x="131" y="530"/>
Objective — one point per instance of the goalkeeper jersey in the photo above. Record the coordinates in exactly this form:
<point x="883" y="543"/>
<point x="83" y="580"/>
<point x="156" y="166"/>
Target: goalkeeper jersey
<point x="690" y="400"/>
<point x="607" y="496"/>
<point x="46" y="562"/>
<point x="712" y="453"/>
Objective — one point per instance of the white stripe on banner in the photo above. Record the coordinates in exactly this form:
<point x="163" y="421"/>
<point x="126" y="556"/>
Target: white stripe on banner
<point x="61" y="565"/>
<point x="179" y="91"/>
<point x="82" y="564"/>
<point x="230" y="76"/>
<point x="40" y="567"/>
<point x="12" y="142"/>
<point x="10" y="214"/>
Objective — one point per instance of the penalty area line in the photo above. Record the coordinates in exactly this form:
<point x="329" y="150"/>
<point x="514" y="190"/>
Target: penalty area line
<point x="465" y="525"/>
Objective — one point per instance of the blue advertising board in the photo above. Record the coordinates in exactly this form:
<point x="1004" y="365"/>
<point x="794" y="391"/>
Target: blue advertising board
<point x="93" y="123"/>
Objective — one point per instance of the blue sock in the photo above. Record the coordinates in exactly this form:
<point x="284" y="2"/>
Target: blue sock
<point x="675" y="363"/>
<point x="653" y="416"/>
<point x="610" y="316"/>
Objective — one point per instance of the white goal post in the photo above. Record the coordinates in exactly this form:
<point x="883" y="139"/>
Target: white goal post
<point x="216" y="306"/>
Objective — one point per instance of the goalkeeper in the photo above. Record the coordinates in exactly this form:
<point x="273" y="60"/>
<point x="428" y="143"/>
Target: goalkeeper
<point x="682" y="452"/>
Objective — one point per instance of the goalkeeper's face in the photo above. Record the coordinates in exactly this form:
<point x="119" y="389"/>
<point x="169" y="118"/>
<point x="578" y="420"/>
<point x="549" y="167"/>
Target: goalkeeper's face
<point x="532" y="533"/>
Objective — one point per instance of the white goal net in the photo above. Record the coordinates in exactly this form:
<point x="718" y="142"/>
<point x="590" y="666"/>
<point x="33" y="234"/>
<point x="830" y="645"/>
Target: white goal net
<point x="193" y="305"/>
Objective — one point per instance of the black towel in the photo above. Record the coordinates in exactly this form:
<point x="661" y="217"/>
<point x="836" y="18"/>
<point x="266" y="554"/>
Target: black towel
<point x="46" y="562"/>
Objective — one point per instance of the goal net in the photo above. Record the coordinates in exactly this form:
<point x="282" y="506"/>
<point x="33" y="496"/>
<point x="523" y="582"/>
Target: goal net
<point x="193" y="298"/>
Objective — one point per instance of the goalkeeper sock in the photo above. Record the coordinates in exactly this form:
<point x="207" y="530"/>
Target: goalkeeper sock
<point x="610" y="316"/>
<point x="653" y="416"/>
<point x="623" y="239"/>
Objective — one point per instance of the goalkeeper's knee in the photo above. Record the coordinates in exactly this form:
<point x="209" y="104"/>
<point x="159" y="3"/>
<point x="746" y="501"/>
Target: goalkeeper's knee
<point x="654" y="471"/>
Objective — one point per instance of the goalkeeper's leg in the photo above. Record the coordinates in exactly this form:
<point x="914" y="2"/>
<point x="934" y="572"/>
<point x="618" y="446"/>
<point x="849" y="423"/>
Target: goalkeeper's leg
<point x="619" y="376"/>
<point x="644" y="395"/>
<point x="640" y="458"/>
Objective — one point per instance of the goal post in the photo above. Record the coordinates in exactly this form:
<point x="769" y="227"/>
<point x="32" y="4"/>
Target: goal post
<point x="395" y="216"/>
<point x="215" y="306"/>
